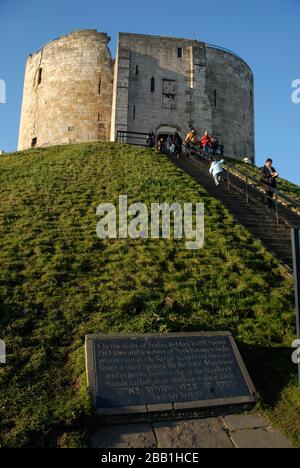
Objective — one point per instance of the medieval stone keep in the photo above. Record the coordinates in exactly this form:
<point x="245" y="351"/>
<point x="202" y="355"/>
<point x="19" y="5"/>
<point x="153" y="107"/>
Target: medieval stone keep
<point x="75" y="92"/>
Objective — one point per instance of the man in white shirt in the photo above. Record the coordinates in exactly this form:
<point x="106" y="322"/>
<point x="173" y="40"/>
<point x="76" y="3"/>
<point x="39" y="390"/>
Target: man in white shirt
<point x="216" y="170"/>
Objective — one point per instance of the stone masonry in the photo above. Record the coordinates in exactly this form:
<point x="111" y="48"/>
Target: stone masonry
<point x="228" y="432"/>
<point x="75" y="92"/>
<point x="68" y="92"/>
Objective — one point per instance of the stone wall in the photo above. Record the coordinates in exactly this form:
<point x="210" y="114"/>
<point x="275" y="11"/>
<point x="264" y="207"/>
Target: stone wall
<point x="141" y="104"/>
<point x="209" y="88"/>
<point x="68" y="91"/>
<point x="230" y="87"/>
<point x="75" y="92"/>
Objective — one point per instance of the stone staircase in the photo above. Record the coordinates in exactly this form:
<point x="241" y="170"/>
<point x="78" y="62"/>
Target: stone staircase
<point x="253" y="214"/>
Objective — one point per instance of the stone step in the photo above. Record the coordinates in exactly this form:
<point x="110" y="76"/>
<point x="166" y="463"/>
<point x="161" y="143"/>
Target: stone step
<point x="261" y="222"/>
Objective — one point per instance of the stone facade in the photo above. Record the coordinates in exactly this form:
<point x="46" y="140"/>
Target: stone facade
<point x="75" y="92"/>
<point x="68" y="91"/>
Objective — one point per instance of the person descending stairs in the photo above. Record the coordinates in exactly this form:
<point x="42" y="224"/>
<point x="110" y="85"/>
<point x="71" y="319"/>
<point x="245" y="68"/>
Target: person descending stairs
<point x="246" y="204"/>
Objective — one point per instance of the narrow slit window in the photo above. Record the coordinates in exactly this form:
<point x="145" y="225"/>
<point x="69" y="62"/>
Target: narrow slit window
<point x="99" y="86"/>
<point x="137" y="70"/>
<point x="133" y="113"/>
<point x="152" y="85"/>
<point x="179" y="52"/>
<point x="40" y="75"/>
<point x="215" y="97"/>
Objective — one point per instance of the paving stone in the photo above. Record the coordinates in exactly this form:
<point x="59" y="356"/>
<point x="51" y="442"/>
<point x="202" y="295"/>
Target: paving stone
<point x="246" y="421"/>
<point x="161" y="407"/>
<point x="125" y="436"/>
<point x="260" y="438"/>
<point x="206" y="433"/>
<point x="141" y="409"/>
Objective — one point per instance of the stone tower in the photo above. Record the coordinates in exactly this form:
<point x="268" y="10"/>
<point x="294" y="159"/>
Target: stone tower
<point x="167" y="84"/>
<point x="75" y="92"/>
<point x="68" y="91"/>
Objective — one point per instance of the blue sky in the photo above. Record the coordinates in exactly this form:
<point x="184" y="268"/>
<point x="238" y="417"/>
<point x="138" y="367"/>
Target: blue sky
<point x="265" y="34"/>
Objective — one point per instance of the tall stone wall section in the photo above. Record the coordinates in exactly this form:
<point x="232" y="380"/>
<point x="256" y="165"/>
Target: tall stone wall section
<point x="230" y="88"/>
<point x="68" y="91"/>
<point x="213" y="91"/>
<point x="138" y="103"/>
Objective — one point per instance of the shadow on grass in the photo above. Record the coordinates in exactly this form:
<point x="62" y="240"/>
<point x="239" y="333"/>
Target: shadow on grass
<point x="271" y="370"/>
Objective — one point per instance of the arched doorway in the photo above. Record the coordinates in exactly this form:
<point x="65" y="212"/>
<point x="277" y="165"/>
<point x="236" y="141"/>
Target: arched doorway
<point x="164" y="131"/>
<point x="164" y="142"/>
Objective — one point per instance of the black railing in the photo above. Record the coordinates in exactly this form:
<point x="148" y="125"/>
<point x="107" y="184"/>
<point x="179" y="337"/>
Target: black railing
<point x="285" y="209"/>
<point x="132" y="138"/>
<point x="257" y="191"/>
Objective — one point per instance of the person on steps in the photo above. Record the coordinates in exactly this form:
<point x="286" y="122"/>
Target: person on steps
<point x="151" y="140"/>
<point x="216" y="170"/>
<point x="191" y="142"/>
<point x="269" y="177"/>
<point x="206" y="145"/>
<point x="178" y="144"/>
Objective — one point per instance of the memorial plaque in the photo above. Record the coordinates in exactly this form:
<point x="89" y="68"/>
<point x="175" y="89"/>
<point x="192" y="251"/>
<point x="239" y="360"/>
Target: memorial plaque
<point x="146" y="373"/>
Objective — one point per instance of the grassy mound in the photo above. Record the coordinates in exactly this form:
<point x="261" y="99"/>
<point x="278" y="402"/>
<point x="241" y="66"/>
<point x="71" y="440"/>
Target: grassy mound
<point x="59" y="282"/>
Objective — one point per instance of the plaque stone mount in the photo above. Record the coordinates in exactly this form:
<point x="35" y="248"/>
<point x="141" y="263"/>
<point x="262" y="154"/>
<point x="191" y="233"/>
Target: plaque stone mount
<point x="146" y="374"/>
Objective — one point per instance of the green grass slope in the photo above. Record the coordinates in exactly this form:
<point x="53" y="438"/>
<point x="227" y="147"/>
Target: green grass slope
<point x="59" y="282"/>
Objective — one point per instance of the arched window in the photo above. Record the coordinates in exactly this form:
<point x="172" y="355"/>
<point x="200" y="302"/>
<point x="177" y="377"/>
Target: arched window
<point x="152" y="85"/>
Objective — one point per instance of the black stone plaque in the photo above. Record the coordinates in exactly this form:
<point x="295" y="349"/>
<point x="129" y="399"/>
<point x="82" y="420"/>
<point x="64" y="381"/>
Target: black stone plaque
<point x="144" y="373"/>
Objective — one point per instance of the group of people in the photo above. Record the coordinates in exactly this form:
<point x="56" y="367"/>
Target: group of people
<point x="205" y="146"/>
<point x="269" y="177"/>
<point x="212" y="150"/>
<point x="172" y="144"/>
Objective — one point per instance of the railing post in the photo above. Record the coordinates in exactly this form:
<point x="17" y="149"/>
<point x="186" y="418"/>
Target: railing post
<point x="228" y="177"/>
<point x="247" y="191"/>
<point x="276" y="204"/>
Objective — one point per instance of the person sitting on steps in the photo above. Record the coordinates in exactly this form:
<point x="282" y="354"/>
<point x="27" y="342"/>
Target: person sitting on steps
<point x="191" y="142"/>
<point x="206" y="145"/>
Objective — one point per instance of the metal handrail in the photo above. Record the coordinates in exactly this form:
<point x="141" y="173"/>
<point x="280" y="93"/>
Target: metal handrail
<point x="275" y="191"/>
<point x="260" y="187"/>
<point x="257" y="185"/>
<point x="124" y="135"/>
